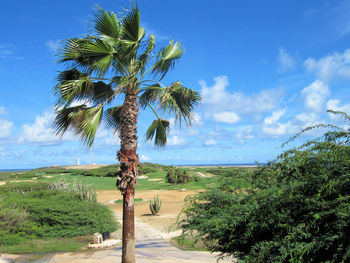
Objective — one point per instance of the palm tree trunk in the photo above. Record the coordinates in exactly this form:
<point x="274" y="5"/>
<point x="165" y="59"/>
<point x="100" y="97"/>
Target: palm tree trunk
<point x="127" y="178"/>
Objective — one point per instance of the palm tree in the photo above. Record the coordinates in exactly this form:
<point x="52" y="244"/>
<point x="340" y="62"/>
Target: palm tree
<point x="117" y="60"/>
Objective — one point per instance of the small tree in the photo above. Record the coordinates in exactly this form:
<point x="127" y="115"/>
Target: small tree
<point x="117" y="61"/>
<point x="178" y="176"/>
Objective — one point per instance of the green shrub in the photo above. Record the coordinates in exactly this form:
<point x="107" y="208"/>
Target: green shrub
<point x="29" y="212"/>
<point x="178" y="176"/>
<point x="298" y="211"/>
<point x="24" y="187"/>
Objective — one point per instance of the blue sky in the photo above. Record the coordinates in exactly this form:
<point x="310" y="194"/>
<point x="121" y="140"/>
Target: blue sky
<point x="265" y="69"/>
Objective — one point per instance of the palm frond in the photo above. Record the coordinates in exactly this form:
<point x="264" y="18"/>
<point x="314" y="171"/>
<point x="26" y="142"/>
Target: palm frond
<point x="167" y="58"/>
<point x="113" y="118"/>
<point x="144" y="57"/>
<point x="80" y="120"/>
<point x="74" y="85"/>
<point x="159" y="130"/>
<point x="175" y="100"/>
<point x="100" y="54"/>
<point x="89" y="54"/>
<point x="106" y="23"/>
<point x="131" y="31"/>
<point x="150" y="95"/>
<point x="89" y="125"/>
<point x="68" y="119"/>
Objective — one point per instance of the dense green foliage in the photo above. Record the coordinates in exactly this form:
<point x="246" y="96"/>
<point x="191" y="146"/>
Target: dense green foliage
<point x="179" y="176"/>
<point x="34" y="210"/>
<point x="298" y="211"/>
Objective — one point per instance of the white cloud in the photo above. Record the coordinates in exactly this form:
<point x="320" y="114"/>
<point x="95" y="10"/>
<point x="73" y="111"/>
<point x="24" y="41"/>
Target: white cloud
<point x="275" y="128"/>
<point x="218" y="99"/>
<point x="209" y="142"/>
<point x="285" y="60"/>
<point x="40" y="131"/>
<point x="315" y="96"/>
<point x="335" y="105"/>
<point x="80" y="102"/>
<point x="244" y="133"/>
<point x="226" y="117"/>
<point x="2" y="110"/>
<point x="112" y="140"/>
<point x="275" y="116"/>
<point x="53" y="45"/>
<point x="335" y="66"/>
<point x="196" y="118"/>
<point x="144" y="158"/>
<point x="175" y="140"/>
<point x="279" y="129"/>
<point x="5" y="128"/>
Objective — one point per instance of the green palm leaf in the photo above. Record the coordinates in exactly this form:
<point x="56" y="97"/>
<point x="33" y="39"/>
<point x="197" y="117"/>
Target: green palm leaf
<point x="89" y="125"/>
<point x="175" y="99"/>
<point x="159" y="130"/>
<point x="100" y="55"/>
<point x="167" y="58"/>
<point x="89" y="54"/>
<point x="131" y="32"/>
<point x="74" y="85"/>
<point x="144" y="57"/>
<point x="150" y="95"/>
<point x="106" y="23"/>
<point x="80" y="120"/>
<point x="113" y="117"/>
<point x="68" y="119"/>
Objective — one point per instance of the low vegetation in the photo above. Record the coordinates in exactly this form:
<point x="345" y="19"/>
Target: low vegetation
<point x="31" y="211"/>
<point x="297" y="211"/>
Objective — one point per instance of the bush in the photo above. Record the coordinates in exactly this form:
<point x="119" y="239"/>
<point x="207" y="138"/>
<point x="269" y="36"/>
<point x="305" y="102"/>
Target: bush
<point x="298" y="211"/>
<point x="29" y="212"/>
<point x="178" y="176"/>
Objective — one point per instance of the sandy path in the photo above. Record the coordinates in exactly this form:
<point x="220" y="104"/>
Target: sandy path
<point x="150" y="248"/>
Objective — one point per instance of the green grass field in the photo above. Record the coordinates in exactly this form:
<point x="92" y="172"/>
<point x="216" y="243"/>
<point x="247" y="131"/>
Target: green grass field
<point x="102" y="180"/>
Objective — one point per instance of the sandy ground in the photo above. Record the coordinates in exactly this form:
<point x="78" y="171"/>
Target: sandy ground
<point x="172" y="203"/>
<point x="85" y="167"/>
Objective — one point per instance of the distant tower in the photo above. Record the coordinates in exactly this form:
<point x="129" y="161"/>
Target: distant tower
<point x="78" y="161"/>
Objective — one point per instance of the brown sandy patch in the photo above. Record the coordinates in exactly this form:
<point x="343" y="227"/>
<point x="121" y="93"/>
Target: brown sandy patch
<point x="85" y="167"/>
<point x="172" y="203"/>
<point x="16" y="181"/>
<point x="156" y="179"/>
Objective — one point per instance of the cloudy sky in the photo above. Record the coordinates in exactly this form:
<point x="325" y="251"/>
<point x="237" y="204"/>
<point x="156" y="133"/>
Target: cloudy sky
<point x="265" y="69"/>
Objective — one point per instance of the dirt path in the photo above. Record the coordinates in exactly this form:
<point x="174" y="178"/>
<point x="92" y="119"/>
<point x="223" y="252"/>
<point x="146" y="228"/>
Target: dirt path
<point x="151" y="247"/>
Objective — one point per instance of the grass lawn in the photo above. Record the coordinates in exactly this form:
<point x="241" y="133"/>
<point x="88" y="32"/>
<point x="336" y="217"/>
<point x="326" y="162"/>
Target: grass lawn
<point x="49" y="245"/>
<point x="101" y="179"/>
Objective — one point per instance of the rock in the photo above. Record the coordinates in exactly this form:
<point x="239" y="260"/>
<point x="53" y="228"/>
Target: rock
<point x="97" y="238"/>
<point x="182" y="190"/>
<point x="106" y="244"/>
